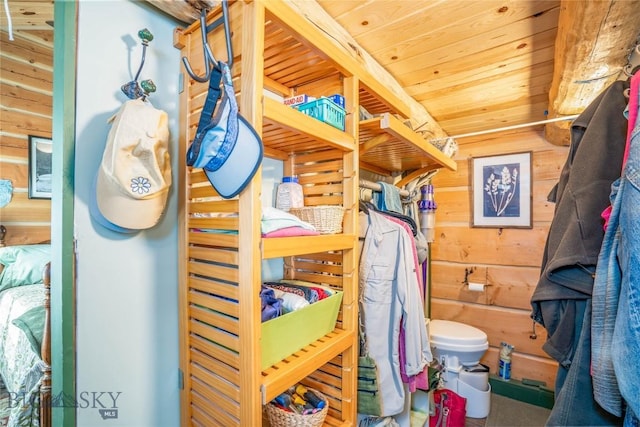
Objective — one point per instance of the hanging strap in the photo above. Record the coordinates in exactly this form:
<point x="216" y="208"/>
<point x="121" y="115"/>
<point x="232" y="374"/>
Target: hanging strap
<point x="633" y="113"/>
<point x="213" y="95"/>
<point x="362" y="334"/>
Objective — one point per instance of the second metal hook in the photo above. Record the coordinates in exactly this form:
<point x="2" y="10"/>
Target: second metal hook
<point x="133" y="89"/>
<point x="209" y="59"/>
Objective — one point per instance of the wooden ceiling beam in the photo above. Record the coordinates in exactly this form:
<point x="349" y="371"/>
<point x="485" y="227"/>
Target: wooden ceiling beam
<point x="313" y="12"/>
<point x="185" y="11"/>
<point x="592" y="45"/>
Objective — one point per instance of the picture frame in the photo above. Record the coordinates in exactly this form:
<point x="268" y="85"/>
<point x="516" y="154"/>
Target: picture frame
<point x="40" y="167"/>
<point x="501" y="191"/>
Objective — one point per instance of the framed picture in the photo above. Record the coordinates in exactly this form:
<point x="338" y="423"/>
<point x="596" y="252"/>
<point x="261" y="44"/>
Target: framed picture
<point x="501" y="191"/>
<point x="40" y="154"/>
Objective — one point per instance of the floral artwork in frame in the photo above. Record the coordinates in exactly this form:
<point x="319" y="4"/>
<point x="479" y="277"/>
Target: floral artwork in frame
<point x="501" y="191"/>
<point x="40" y="157"/>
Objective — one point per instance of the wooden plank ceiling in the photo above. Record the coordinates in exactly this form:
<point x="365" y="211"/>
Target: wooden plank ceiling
<point x="471" y="66"/>
<point x="489" y="64"/>
<point x="475" y="66"/>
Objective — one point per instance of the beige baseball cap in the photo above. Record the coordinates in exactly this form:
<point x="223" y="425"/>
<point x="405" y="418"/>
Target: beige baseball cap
<point x="134" y="177"/>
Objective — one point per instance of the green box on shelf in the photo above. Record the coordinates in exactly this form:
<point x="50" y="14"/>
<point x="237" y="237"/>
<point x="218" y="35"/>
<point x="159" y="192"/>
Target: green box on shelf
<point x="286" y="334"/>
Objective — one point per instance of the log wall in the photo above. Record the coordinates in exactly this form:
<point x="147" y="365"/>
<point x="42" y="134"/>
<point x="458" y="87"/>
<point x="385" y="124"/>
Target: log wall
<point x="506" y="260"/>
<point x="26" y="89"/>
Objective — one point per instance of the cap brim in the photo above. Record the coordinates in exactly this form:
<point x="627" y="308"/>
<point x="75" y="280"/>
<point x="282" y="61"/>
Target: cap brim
<point x="95" y="213"/>
<point x="241" y="165"/>
<point x="124" y="211"/>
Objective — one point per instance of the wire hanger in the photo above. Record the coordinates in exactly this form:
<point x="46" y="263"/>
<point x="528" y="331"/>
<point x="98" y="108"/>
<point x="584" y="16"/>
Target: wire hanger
<point x="133" y="90"/>
<point x="209" y="59"/>
<point x="633" y="61"/>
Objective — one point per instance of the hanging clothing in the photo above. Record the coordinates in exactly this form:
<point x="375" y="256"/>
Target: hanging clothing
<point x="631" y="113"/>
<point x="388" y="199"/>
<point x="574" y="403"/>
<point x="421" y="380"/>
<point x="616" y="299"/>
<point x="391" y="299"/>
<point x="571" y="252"/>
<point x="581" y="194"/>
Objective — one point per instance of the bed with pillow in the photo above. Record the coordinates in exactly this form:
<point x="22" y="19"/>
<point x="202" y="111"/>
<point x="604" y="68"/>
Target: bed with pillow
<point x="24" y="318"/>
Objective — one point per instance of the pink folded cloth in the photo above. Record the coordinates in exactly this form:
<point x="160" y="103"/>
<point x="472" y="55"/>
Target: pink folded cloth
<point x="291" y="232"/>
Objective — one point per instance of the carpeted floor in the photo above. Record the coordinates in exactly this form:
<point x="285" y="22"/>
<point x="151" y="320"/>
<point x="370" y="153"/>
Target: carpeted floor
<point x="506" y="412"/>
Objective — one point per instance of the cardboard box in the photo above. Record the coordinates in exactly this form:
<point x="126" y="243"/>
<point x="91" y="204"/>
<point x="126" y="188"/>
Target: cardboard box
<point x="286" y="334"/>
<point x="298" y="99"/>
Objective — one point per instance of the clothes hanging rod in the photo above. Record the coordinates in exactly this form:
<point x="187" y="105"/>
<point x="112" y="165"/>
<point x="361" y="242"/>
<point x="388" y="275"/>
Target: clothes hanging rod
<point x="377" y="187"/>
<point x="522" y="125"/>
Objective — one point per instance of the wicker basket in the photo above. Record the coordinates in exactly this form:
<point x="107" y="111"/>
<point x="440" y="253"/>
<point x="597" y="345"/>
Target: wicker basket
<point x="281" y="418"/>
<point x="326" y="219"/>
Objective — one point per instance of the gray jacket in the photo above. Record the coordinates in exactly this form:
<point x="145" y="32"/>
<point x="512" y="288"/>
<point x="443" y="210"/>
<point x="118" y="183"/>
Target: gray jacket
<point x="598" y="138"/>
<point x="391" y="296"/>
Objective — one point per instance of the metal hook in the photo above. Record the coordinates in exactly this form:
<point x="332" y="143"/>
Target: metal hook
<point x="227" y="32"/>
<point x="209" y="59"/>
<point x="132" y="89"/>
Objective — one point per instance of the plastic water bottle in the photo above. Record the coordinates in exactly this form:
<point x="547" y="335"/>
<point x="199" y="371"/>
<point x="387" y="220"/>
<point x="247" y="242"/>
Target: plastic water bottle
<point x="504" y="362"/>
<point x="289" y="194"/>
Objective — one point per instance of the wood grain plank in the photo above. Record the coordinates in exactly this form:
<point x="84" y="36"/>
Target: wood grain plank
<point x="483" y="71"/>
<point x="505" y="285"/>
<point x="454" y="205"/>
<point x="412" y="71"/>
<point x="519" y="114"/>
<point x="23" y="123"/>
<point x="529" y="80"/>
<point x="586" y="55"/>
<point x="26" y="51"/>
<point x="22" y="209"/>
<point x="521" y="247"/>
<point x="500" y="324"/>
<point x="26" y="75"/>
<point x="42" y="37"/>
<point x="29" y="14"/>
<point x="25" y="234"/>
<point x="18" y="98"/>
<point x="16" y="172"/>
<point x="480" y="47"/>
<point x="16" y="141"/>
<point x="524" y="366"/>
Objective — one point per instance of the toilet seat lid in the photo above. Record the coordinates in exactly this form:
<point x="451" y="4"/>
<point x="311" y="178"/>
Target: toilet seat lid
<point x="455" y="333"/>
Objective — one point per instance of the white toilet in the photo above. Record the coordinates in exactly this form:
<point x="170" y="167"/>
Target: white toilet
<point x="459" y="348"/>
<point x="455" y="344"/>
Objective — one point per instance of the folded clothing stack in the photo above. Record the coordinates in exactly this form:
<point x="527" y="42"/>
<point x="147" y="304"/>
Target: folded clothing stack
<point x="289" y="295"/>
<point x="278" y="223"/>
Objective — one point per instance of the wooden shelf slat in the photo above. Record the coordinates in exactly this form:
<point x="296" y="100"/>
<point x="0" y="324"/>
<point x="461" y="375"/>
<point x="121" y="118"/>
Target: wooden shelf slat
<point x="388" y="144"/>
<point x="289" y="118"/>
<point x="301" y="364"/>
<point x="277" y="247"/>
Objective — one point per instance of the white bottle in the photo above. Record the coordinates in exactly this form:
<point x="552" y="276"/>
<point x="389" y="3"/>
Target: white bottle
<point x="289" y="194"/>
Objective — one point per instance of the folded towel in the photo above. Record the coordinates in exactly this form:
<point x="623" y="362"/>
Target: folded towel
<point x="291" y="232"/>
<point x="276" y="219"/>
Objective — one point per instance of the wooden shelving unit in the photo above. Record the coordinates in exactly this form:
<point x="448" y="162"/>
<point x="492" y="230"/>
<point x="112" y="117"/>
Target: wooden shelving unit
<point x="222" y="248"/>
<point x="224" y="383"/>
<point x="389" y="145"/>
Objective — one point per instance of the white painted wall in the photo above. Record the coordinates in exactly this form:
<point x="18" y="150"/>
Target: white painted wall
<point x="127" y="309"/>
<point x="127" y="313"/>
